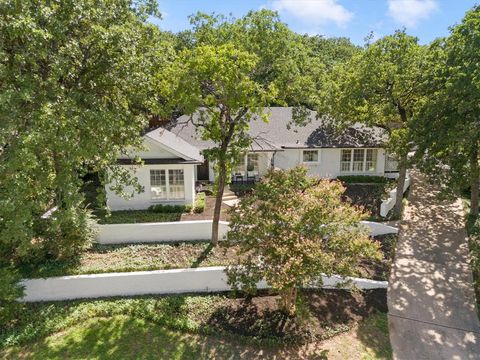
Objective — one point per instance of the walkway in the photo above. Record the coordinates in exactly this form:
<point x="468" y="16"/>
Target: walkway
<point x="431" y="301"/>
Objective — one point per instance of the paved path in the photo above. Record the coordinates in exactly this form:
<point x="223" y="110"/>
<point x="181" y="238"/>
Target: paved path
<point x="431" y="302"/>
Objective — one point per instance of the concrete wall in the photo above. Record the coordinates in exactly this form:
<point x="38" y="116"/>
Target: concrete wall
<point x="389" y="203"/>
<point x="207" y="279"/>
<point x="377" y="228"/>
<point x="158" y="232"/>
<point x="144" y="199"/>
<point x="327" y="167"/>
<point x="184" y="231"/>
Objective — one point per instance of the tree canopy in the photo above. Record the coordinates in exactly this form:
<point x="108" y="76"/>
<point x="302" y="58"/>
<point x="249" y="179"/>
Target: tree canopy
<point x="380" y="86"/>
<point x="447" y="131"/>
<point x="76" y="89"/>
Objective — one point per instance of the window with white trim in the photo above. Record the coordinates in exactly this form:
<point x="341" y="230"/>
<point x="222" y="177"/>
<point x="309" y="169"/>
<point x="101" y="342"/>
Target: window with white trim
<point x="176" y="185"/>
<point x="163" y="188"/>
<point x="358" y="160"/>
<point x="252" y="162"/>
<point x="158" y="184"/>
<point x="310" y="156"/>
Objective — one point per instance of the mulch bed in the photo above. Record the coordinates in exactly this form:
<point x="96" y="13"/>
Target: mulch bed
<point x="321" y="315"/>
<point x="367" y="196"/>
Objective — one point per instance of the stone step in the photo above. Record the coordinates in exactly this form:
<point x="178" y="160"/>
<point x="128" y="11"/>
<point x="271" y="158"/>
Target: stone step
<point x="229" y="197"/>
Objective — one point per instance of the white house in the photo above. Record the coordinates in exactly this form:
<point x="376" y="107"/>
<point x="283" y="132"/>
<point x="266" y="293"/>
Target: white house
<point x="359" y="150"/>
<point x="168" y="173"/>
<point x="173" y="161"/>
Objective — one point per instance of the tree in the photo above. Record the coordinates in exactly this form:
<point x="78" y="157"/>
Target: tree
<point x="229" y="71"/>
<point x="380" y="86"/>
<point x="76" y="89"/>
<point x="447" y="128"/>
<point x="291" y="230"/>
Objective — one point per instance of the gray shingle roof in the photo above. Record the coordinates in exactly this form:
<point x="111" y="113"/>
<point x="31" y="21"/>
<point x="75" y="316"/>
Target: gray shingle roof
<point x="276" y="134"/>
<point x="176" y="143"/>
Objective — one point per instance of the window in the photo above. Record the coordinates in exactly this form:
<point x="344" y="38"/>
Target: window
<point x="158" y="184"/>
<point x="371" y="160"/>
<point x="162" y="188"/>
<point x="252" y="162"/>
<point x="240" y="168"/>
<point x="358" y="160"/>
<point x="176" y="185"/>
<point x="346" y="160"/>
<point x="310" y="156"/>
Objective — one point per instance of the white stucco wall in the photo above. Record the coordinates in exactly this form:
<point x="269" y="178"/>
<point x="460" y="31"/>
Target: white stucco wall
<point x="207" y="279"/>
<point x="198" y="230"/>
<point x="329" y="164"/>
<point x="389" y="203"/>
<point x="158" y="232"/>
<point x="144" y="199"/>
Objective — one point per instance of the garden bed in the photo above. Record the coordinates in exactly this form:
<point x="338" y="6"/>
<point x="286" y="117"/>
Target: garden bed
<point x="142" y="257"/>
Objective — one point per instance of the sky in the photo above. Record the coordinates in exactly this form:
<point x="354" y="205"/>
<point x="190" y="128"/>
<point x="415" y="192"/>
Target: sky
<point x="355" y="19"/>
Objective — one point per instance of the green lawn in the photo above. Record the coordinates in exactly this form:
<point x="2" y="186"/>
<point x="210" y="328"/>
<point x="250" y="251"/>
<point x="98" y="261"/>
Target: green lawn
<point x="126" y="337"/>
<point x="198" y="327"/>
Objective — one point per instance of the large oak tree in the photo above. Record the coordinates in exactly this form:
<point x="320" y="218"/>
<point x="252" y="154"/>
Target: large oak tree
<point x="380" y="86"/>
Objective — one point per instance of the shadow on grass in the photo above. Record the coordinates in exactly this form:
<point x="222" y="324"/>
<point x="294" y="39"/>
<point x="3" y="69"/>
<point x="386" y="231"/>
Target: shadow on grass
<point x="373" y="333"/>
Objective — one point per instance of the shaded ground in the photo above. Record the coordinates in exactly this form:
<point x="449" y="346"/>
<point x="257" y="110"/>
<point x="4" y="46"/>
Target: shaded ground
<point x="192" y="327"/>
<point x="431" y="300"/>
<point x="368" y="196"/>
<point x="123" y="337"/>
<point x="138" y="257"/>
<point x="142" y="257"/>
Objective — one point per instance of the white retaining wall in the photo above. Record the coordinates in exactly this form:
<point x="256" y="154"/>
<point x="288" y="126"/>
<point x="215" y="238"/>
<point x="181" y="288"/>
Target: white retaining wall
<point x="197" y="280"/>
<point x="184" y="231"/>
<point x="158" y="232"/>
<point x="389" y="203"/>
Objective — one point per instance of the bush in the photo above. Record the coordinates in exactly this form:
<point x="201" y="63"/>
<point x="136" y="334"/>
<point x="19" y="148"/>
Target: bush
<point x="362" y="179"/>
<point x="138" y="216"/>
<point x="10" y="290"/>
<point x="170" y="209"/>
<point x="199" y="206"/>
<point x="67" y="233"/>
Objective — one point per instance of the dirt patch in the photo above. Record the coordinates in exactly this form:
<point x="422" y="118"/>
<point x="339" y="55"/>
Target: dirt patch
<point x="321" y="315"/>
<point x="207" y="214"/>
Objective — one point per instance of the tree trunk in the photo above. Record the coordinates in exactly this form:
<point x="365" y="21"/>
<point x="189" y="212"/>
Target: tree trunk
<point x="289" y="301"/>
<point x="222" y="174"/>
<point x="474" y="182"/>
<point x="402" y="174"/>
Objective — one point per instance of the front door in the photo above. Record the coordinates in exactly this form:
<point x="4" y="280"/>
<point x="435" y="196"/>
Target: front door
<point x="202" y="172"/>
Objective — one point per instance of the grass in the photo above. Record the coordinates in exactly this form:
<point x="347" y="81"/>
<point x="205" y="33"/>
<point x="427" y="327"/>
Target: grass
<point x="185" y="327"/>
<point x="137" y="216"/>
<point x="124" y="337"/>
<point x="137" y="257"/>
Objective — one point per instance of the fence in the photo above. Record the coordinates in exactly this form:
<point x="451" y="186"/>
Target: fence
<point x="177" y="281"/>
<point x="389" y="203"/>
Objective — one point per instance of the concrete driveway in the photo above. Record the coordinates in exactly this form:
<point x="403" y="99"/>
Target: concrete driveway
<point x="431" y="301"/>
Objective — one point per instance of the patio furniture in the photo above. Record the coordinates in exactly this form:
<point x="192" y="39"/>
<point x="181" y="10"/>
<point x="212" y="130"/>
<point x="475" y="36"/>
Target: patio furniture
<point x="238" y="177"/>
